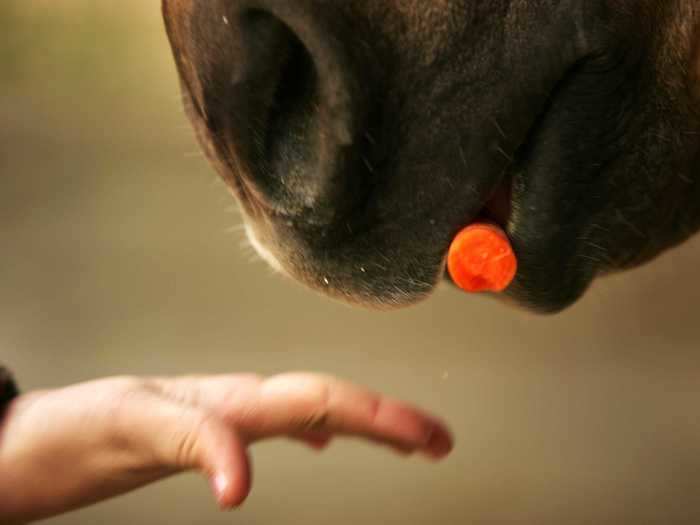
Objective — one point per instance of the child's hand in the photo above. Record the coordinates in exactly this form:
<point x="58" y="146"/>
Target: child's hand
<point x="63" y="449"/>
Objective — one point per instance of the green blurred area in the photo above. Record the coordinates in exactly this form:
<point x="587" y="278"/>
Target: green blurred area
<point x="66" y="58"/>
<point x="117" y="259"/>
<point x="67" y="40"/>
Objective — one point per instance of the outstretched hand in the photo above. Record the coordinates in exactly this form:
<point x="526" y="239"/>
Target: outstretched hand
<point x="63" y="449"/>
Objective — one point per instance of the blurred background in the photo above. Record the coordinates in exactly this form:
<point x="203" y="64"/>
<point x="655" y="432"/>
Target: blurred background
<point x="121" y="253"/>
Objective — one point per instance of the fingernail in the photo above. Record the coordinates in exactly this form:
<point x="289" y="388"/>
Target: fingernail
<point x="221" y="485"/>
<point x="440" y="444"/>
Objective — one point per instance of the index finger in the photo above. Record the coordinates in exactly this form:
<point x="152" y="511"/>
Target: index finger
<point x="292" y="403"/>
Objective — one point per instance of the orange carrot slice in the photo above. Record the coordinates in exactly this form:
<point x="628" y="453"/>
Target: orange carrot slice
<point x="481" y="259"/>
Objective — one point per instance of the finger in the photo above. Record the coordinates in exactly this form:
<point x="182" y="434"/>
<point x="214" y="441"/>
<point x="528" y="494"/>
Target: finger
<point x="222" y="456"/>
<point x="286" y="403"/>
<point x="293" y="403"/>
<point x="226" y="394"/>
<point x="441" y="442"/>
<point x="183" y="438"/>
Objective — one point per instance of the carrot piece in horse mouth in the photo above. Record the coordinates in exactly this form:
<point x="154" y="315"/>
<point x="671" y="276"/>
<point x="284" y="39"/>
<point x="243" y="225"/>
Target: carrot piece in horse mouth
<point x="481" y="259"/>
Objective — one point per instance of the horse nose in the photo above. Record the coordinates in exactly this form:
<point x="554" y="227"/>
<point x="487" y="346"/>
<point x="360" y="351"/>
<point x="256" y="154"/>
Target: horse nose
<point x="279" y="87"/>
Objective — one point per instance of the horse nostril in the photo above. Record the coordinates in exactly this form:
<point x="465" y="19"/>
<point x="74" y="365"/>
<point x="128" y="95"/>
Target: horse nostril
<point x="280" y="97"/>
<point x="292" y="105"/>
<point x="280" y="110"/>
<point x="270" y="103"/>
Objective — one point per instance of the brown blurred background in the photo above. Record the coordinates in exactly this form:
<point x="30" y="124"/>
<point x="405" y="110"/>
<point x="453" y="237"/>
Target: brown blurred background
<point x="117" y="258"/>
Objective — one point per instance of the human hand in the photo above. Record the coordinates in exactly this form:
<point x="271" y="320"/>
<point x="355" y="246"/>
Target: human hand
<point x="64" y="449"/>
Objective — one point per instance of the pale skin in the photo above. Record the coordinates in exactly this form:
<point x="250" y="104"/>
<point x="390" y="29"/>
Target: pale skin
<point x="64" y="449"/>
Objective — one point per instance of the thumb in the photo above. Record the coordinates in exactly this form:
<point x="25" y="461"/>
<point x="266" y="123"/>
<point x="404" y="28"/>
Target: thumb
<point x="185" y="438"/>
<point x="219" y="452"/>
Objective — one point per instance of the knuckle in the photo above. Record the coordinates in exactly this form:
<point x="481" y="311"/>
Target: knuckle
<point x="186" y="450"/>
<point x="374" y="408"/>
<point x="316" y="421"/>
<point x="309" y="399"/>
<point x="317" y="398"/>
